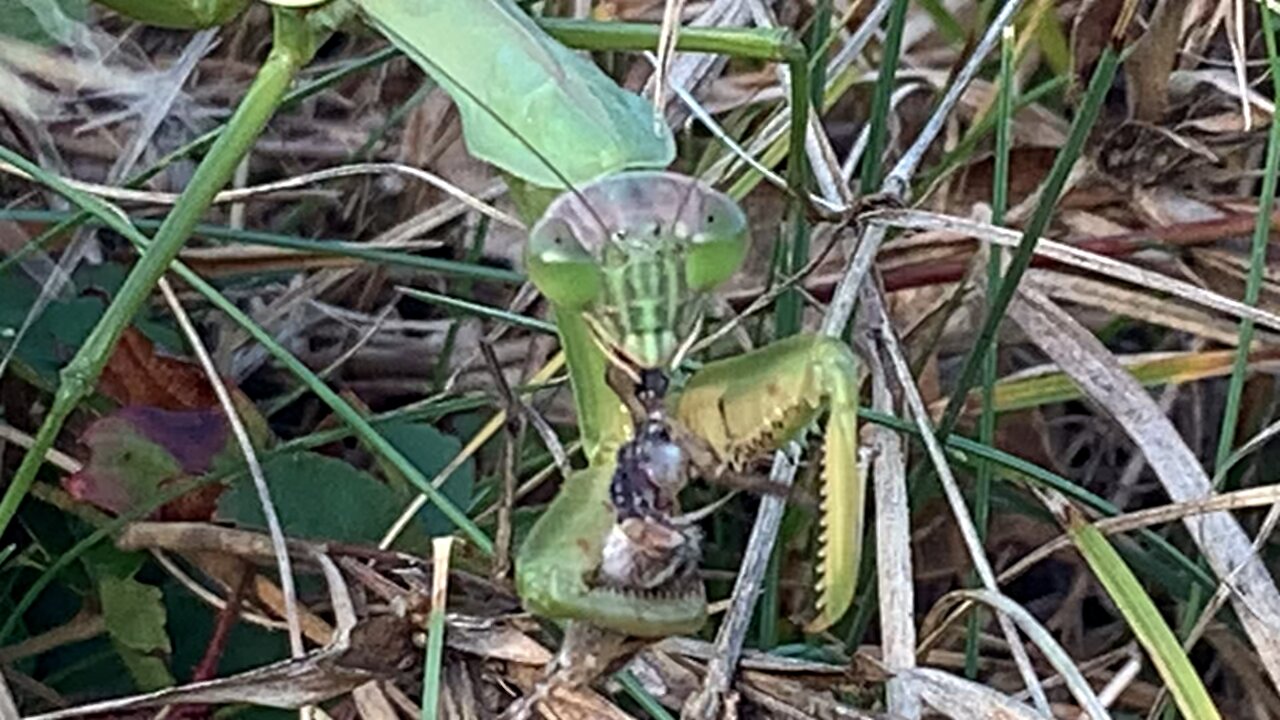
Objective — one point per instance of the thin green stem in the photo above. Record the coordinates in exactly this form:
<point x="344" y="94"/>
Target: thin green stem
<point x="635" y="689"/>
<point x="777" y="44"/>
<point x="1191" y="610"/>
<point x="433" y="663"/>
<point x="790" y="307"/>
<point x="292" y="48"/>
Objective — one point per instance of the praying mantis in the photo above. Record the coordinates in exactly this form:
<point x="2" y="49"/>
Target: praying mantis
<point x="632" y="258"/>
<point x="627" y="260"/>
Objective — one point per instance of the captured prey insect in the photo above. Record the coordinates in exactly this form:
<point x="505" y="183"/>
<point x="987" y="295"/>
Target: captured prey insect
<point x="635" y="255"/>
<point x="649" y="553"/>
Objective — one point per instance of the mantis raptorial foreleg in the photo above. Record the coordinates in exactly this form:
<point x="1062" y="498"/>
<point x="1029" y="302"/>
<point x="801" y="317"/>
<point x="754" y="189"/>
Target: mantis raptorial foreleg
<point x="745" y="406"/>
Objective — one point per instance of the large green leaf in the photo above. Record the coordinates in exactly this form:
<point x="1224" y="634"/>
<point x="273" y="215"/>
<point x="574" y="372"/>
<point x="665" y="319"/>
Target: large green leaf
<point x="517" y="88"/>
<point x="316" y="497"/>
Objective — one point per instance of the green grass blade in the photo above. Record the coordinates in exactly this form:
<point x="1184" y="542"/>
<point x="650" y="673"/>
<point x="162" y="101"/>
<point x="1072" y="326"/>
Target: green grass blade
<point x="481" y="310"/>
<point x="336" y="248"/>
<point x="990" y="370"/>
<point x="872" y="170"/>
<point x="632" y="686"/>
<point x="1253" y="283"/>
<point x="1140" y="614"/>
<point x="1257" y="254"/>
<point x="434" y="662"/>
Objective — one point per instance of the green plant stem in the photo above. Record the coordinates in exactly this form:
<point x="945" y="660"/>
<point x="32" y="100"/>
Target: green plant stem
<point x="293" y="45"/>
<point x="777" y="44"/>
<point x="1257" y="256"/>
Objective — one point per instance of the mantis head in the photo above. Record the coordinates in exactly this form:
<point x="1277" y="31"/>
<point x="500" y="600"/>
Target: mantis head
<point x="636" y="253"/>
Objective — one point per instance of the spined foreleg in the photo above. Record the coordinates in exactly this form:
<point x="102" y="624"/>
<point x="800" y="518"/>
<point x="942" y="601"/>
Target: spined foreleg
<point x="745" y="406"/>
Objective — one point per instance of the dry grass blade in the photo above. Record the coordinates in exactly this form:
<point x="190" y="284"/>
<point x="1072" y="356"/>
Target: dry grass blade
<point x="1116" y="300"/>
<point x="954" y="697"/>
<point x="1239" y="500"/>
<point x="893" y="550"/>
<point x="251" y="460"/>
<point x="8" y="709"/>
<point x="1079" y="258"/>
<point x="667" y="35"/>
<point x="241" y="194"/>
<point x="1012" y="612"/>
<point x="1218" y="535"/>
<point x="884" y="338"/>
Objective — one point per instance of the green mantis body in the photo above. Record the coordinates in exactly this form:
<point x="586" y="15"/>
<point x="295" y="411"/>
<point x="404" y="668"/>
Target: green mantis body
<point x="634" y="257"/>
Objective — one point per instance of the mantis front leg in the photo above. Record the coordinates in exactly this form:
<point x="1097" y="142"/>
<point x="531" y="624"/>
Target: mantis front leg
<point x="745" y="406"/>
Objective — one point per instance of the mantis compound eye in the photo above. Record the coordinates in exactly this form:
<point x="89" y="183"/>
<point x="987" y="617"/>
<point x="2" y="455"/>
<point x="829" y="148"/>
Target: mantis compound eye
<point x="717" y="238"/>
<point x="560" y="266"/>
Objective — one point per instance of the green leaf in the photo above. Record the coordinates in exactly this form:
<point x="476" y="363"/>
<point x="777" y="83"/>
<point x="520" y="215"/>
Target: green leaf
<point x="54" y="337"/>
<point x="136" y="451"/>
<point x="517" y="88"/>
<point x="431" y="451"/>
<point x="134" y="614"/>
<point x="316" y="497"/>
